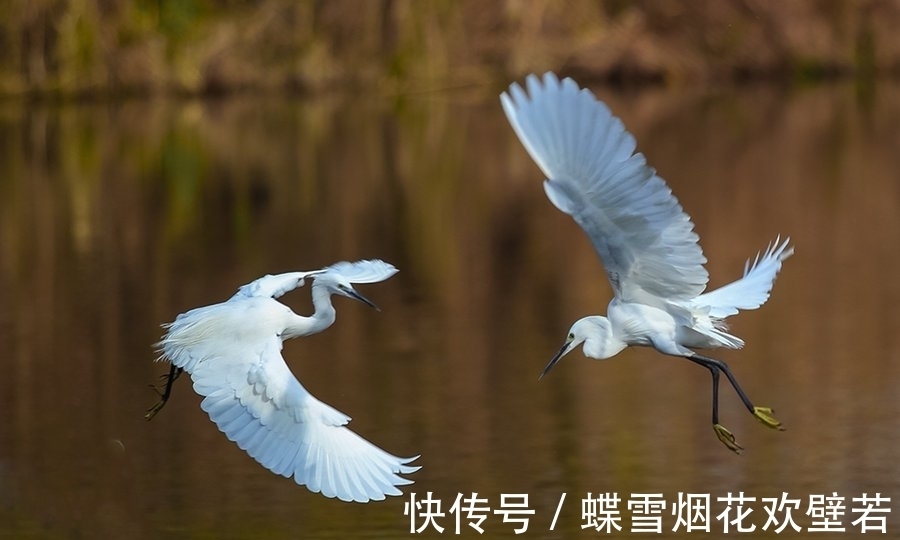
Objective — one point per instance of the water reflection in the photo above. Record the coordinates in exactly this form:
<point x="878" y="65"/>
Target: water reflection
<point x="115" y="217"/>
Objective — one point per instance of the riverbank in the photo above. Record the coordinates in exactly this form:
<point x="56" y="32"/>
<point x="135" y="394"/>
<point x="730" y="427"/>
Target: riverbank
<point x="196" y="47"/>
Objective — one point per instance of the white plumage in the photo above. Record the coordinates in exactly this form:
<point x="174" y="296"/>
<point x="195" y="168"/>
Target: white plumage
<point x="232" y="351"/>
<point x="646" y="241"/>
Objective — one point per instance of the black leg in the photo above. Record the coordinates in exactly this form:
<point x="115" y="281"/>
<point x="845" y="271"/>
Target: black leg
<point x="725" y="436"/>
<point x="731" y="378"/>
<point x="171" y="377"/>
<point x="715" y="405"/>
<point x="763" y="414"/>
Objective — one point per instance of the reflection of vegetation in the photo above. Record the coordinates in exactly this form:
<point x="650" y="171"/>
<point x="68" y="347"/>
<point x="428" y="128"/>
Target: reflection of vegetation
<point x="182" y="160"/>
<point x="115" y="217"/>
<point x="196" y="46"/>
<point x="255" y="173"/>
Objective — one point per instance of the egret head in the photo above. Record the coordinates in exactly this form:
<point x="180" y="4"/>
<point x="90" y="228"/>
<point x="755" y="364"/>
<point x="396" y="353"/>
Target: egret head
<point x="594" y="332"/>
<point x="338" y="284"/>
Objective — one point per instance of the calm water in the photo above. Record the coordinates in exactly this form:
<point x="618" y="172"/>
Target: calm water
<point x="115" y="218"/>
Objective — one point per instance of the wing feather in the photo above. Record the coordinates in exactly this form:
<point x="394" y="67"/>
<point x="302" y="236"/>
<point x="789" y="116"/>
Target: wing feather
<point x="645" y="240"/>
<point x="273" y="286"/>
<point x="276" y="285"/>
<point x="365" y="271"/>
<point x="752" y="289"/>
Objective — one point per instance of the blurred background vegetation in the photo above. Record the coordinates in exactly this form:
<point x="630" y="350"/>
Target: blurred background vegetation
<point x="115" y="47"/>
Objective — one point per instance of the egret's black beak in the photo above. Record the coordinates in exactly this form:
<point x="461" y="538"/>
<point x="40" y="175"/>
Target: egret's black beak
<point x="562" y="352"/>
<point x="356" y="296"/>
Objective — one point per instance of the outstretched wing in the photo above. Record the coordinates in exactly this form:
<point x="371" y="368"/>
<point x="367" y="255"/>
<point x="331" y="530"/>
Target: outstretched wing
<point x="752" y="289"/>
<point x="257" y="402"/>
<point x="643" y="236"/>
<point x="365" y="271"/>
<point x="273" y="286"/>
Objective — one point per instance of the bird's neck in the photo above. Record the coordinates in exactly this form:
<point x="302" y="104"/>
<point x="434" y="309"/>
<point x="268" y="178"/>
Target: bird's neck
<point x="602" y="341"/>
<point x="322" y="318"/>
<point x="603" y="346"/>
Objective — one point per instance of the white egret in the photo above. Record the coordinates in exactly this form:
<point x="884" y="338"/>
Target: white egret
<point x="645" y="240"/>
<point x="232" y="351"/>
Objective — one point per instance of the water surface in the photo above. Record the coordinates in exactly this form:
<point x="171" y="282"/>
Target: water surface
<point x="116" y="217"/>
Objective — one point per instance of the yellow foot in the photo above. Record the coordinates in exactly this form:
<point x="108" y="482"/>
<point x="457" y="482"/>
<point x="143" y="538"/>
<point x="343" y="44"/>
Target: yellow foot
<point x="727" y="438"/>
<point x="764" y="415"/>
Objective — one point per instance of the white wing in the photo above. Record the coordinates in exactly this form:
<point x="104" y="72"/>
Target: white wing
<point x="366" y="271"/>
<point x="645" y="239"/>
<point x="257" y="402"/>
<point x="750" y="291"/>
<point x="273" y="286"/>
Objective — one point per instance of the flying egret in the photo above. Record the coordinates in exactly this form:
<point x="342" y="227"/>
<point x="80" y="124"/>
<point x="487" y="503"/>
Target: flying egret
<point x="232" y="351"/>
<point x="644" y="238"/>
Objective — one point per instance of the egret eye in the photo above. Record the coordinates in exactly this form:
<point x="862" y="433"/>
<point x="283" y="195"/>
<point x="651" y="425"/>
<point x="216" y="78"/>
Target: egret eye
<point x="571" y="336"/>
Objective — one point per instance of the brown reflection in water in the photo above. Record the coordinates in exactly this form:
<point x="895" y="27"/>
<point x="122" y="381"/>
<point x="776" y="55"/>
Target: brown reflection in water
<point x="115" y="218"/>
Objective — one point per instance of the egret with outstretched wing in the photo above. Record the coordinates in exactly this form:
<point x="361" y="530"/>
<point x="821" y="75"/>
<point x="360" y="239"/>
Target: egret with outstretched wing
<point x="646" y="241"/>
<point x="232" y="352"/>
